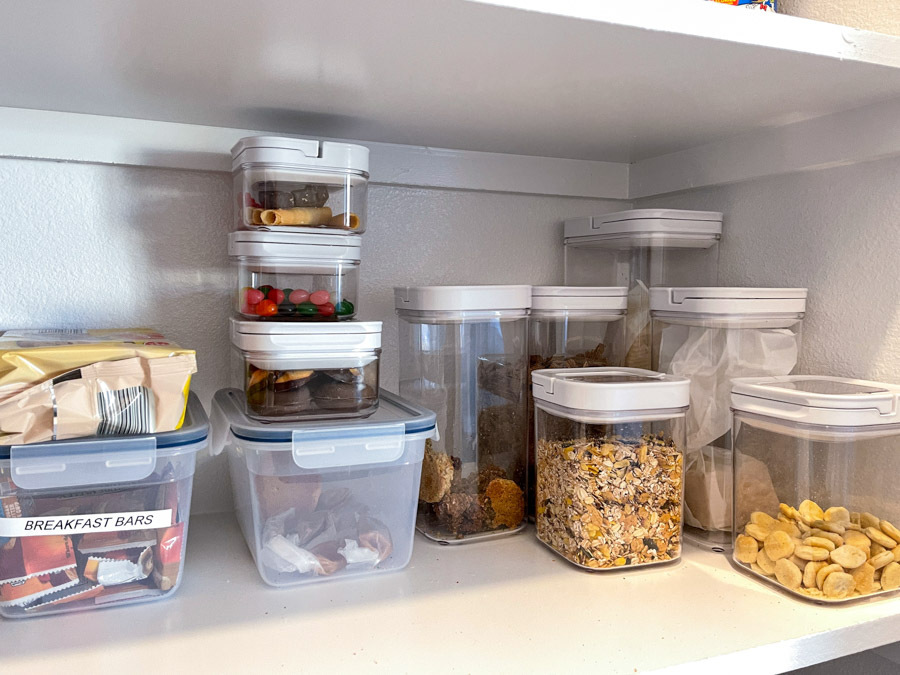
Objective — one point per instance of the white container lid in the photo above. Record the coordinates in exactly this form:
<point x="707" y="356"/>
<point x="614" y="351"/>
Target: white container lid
<point x="725" y="300"/>
<point x="818" y="400"/>
<point x="610" y="389"/>
<point x="600" y="298"/>
<point x="300" y="152"/>
<point x="315" y="337"/>
<point x="462" y="298"/>
<point x="299" y="245"/>
<point x="668" y="222"/>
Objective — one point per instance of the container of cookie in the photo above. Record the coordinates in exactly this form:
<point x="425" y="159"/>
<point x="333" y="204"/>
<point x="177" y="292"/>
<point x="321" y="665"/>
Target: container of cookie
<point x="96" y="522"/>
<point x="295" y="277"/>
<point x="815" y="499"/>
<point x="609" y="465"/>
<point x="320" y="501"/>
<point x="299" y="185"/>
<point x="307" y="370"/>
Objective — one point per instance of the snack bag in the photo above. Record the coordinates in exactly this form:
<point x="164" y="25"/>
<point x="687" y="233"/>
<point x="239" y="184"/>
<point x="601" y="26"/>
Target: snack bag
<point x="763" y="5"/>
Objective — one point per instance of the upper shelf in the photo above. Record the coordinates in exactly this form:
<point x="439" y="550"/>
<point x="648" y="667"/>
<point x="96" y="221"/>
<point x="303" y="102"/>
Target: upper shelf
<point x="610" y="81"/>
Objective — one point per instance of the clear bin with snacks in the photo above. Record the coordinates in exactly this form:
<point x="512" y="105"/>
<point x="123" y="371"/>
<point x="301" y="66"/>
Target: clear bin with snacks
<point x="295" y="277"/>
<point x="319" y="501"/>
<point x="711" y="336"/>
<point x="96" y="522"/>
<point x="816" y="513"/>
<point x="639" y="249"/>
<point x="294" y="184"/>
<point x="609" y="465"/>
<point x="307" y="370"/>
<point x="463" y="354"/>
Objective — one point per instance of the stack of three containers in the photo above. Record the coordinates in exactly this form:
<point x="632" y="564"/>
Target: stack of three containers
<point x="324" y="466"/>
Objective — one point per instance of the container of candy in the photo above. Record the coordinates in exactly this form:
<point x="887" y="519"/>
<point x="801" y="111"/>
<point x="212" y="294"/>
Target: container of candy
<point x="307" y="370"/>
<point x="294" y="184"/>
<point x="96" y="522"/>
<point x="295" y="277"/>
<point x="325" y="500"/>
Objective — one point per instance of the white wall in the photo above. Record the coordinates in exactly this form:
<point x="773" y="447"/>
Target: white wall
<point x="836" y="232"/>
<point x="876" y="15"/>
<point x="102" y="246"/>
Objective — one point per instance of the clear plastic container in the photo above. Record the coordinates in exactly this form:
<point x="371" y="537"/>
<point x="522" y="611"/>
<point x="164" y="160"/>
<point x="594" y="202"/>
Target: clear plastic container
<point x="291" y="184"/>
<point x="572" y="327"/>
<point x="815" y="503"/>
<point x="609" y="465"/>
<point x="292" y="371"/>
<point x="96" y="522"/>
<point x="463" y="355"/>
<point x="639" y="249"/>
<point x="295" y="277"/>
<point x="326" y="500"/>
<point x="712" y="335"/>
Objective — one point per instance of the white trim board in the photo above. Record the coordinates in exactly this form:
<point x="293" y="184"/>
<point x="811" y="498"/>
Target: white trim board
<point x="75" y="137"/>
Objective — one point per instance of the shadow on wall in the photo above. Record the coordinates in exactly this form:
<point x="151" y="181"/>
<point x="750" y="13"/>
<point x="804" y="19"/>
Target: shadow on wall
<point x="835" y="231"/>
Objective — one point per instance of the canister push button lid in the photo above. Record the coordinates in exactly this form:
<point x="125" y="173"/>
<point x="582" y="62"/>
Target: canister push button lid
<point x="610" y="389"/>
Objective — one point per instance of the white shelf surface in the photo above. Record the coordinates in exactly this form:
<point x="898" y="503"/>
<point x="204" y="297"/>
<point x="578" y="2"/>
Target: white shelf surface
<point x="507" y="605"/>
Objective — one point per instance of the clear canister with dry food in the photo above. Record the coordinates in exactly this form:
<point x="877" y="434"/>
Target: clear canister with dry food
<point x="463" y="355"/>
<point x="609" y="465"/>
<point x="640" y="249"/>
<point x="711" y="336"/>
<point x="816" y="512"/>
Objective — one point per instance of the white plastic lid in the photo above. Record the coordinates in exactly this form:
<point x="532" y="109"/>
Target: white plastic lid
<point x="600" y="298"/>
<point x="259" y="244"/>
<point x="669" y="222"/>
<point x="818" y="399"/>
<point x="300" y="152"/>
<point x="724" y="300"/>
<point x="319" y="337"/>
<point x="610" y="389"/>
<point x="462" y="298"/>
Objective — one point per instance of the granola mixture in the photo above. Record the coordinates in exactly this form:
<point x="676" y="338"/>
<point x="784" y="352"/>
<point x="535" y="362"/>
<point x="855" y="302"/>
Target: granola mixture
<point x="610" y="502"/>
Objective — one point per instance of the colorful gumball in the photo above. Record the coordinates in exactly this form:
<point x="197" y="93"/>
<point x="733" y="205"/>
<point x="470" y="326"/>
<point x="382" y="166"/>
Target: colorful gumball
<point x="276" y="295"/>
<point x="252" y="296"/>
<point x="265" y="290"/>
<point x="248" y="309"/>
<point x="307" y="309"/>
<point x="344" y="308"/>
<point x="266" y="308"/>
<point x="326" y="309"/>
<point x="298" y="296"/>
<point x="319" y="297"/>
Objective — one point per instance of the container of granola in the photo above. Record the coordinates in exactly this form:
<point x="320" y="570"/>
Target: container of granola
<point x="463" y="355"/>
<point x="609" y="465"/>
<point x="572" y="327"/>
<point x="816" y="513"/>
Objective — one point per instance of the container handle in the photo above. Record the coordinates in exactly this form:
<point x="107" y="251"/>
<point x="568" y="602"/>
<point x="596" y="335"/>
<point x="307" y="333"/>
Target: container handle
<point x="328" y="448"/>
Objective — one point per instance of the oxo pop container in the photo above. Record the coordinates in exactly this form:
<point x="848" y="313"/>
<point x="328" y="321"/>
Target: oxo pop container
<point x="325" y="500"/>
<point x="307" y="370"/>
<point x="96" y="522"/>
<point x="711" y="336"/>
<point x="463" y="355"/>
<point x="295" y="277"/>
<point x="815" y="468"/>
<point x="639" y="249"/>
<point x="609" y="465"/>
<point x="297" y="185"/>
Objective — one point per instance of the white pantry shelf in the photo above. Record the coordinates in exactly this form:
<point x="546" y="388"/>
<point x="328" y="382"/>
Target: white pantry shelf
<point x="484" y="607"/>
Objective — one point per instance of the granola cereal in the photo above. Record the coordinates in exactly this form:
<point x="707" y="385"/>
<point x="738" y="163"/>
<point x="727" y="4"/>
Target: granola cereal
<point x="610" y="502"/>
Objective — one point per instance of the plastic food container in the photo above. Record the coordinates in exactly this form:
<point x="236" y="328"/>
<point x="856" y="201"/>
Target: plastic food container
<point x="609" y="465"/>
<point x="325" y="500"/>
<point x="639" y="249"/>
<point x="572" y="327"/>
<point x="307" y="370"/>
<point x="295" y="277"/>
<point x="712" y="335"/>
<point x="463" y="355"/>
<point x="294" y="184"/>
<point x="96" y="522"/>
<point x="815" y="498"/>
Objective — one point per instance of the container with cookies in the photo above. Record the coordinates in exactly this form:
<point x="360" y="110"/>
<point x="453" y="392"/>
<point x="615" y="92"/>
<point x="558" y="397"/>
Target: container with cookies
<point x="815" y="500"/>
<point x="610" y="448"/>
<point x="319" y="501"/>
<point x="299" y="185"/>
<point x="308" y="371"/>
<point x="295" y="277"/>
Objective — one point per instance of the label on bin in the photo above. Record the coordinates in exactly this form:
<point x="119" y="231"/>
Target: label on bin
<point x="82" y="524"/>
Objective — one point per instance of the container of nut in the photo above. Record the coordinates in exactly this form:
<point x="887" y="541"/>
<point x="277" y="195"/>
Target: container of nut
<point x="610" y="451"/>
<point x="816" y="513"/>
